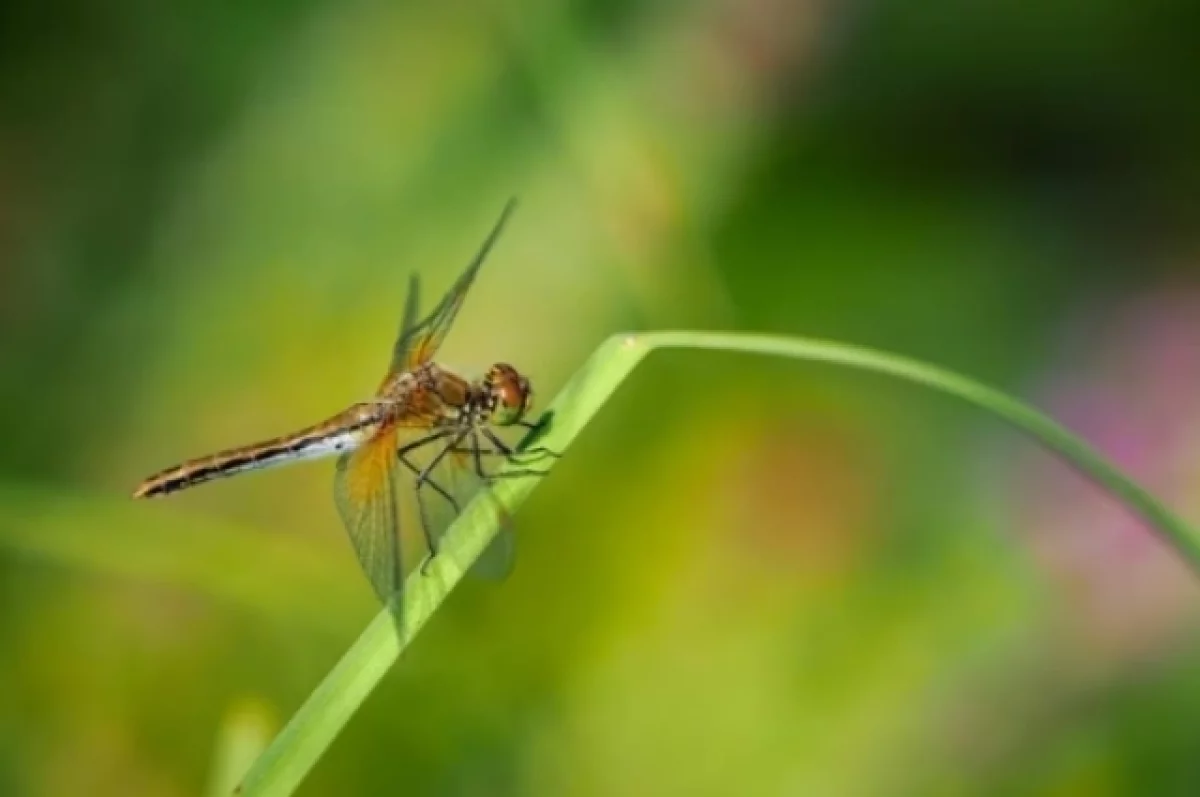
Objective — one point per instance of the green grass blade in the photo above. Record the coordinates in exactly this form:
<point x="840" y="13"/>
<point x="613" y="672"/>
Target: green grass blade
<point x="321" y="718"/>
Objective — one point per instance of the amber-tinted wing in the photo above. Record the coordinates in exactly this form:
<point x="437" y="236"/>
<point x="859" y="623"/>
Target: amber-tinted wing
<point x="418" y="343"/>
<point x="365" y="489"/>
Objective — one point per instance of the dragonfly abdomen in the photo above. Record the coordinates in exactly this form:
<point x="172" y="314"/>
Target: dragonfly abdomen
<point x="314" y="443"/>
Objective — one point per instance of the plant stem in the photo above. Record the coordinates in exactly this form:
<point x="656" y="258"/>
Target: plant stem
<point x="313" y="728"/>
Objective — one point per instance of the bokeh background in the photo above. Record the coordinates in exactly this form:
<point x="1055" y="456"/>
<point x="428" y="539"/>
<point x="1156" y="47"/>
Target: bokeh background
<point x="748" y="576"/>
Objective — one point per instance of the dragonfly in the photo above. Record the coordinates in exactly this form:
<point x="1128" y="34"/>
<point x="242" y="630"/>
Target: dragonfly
<point x="428" y="432"/>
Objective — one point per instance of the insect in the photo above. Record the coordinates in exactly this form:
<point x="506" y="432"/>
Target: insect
<point x="425" y="424"/>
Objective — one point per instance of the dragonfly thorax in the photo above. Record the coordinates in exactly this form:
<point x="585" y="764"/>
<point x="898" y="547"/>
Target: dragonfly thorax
<point x="502" y="396"/>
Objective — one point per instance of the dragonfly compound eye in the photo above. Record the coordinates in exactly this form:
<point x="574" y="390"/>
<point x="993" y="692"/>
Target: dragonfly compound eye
<point x="511" y="392"/>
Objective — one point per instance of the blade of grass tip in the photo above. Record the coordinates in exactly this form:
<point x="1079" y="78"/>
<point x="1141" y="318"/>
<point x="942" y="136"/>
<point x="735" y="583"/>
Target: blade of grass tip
<point x="317" y="723"/>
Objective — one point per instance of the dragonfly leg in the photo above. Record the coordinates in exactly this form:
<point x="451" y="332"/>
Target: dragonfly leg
<point x="423" y="441"/>
<point x="477" y="456"/>
<point x="532" y="454"/>
<point x="426" y="527"/>
<point x="437" y="488"/>
<point x="422" y="479"/>
<point x="478" y="451"/>
<point x="487" y="452"/>
<point x="510" y="453"/>
<point x="540" y="450"/>
<point x="517" y="474"/>
<point x="490" y="477"/>
<point x="416" y="444"/>
<point x="518" y="457"/>
<point x="491" y="452"/>
<point x="534" y="426"/>
<point x="421" y="506"/>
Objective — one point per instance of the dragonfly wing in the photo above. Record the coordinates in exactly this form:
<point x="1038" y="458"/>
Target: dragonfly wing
<point x="365" y="493"/>
<point x="412" y="306"/>
<point x="418" y="343"/>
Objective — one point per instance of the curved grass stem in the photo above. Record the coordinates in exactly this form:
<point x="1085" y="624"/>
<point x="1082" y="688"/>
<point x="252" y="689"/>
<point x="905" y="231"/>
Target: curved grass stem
<point x="317" y="723"/>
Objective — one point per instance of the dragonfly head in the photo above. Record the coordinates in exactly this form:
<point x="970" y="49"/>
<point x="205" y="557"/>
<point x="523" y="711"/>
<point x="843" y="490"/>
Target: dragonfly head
<point x="509" y="394"/>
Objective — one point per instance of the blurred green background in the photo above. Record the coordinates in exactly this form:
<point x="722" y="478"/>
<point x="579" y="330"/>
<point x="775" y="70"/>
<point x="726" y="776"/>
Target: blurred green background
<point x="748" y="576"/>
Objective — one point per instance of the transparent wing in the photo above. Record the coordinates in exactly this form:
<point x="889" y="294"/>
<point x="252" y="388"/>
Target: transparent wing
<point x="418" y="343"/>
<point x="412" y="307"/>
<point x="458" y="469"/>
<point x="365" y="491"/>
